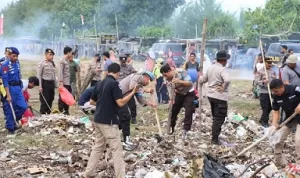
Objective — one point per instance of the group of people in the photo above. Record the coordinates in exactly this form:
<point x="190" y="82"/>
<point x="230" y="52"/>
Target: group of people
<point x="278" y="85"/>
<point x="113" y="96"/>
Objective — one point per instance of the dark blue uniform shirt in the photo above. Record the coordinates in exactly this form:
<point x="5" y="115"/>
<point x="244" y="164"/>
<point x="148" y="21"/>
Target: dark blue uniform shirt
<point x="86" y="96"/>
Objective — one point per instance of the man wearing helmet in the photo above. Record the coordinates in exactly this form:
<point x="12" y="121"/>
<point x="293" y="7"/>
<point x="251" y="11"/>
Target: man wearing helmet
<point x="127" y="85"/>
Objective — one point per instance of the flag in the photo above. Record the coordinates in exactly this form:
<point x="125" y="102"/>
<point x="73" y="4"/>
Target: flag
<point x="1" y="24"/>
<point x="82" y="19"/>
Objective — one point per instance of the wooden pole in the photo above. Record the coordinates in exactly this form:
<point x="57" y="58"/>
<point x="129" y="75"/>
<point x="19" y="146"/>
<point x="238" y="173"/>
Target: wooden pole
<point x="203" y="43"/>
<point x="266" y="136"/>
<point x="156" y="114"/>
<point x="172" y="98"/>
<point x="266" y="72"/>
<point x="87" y="80"/>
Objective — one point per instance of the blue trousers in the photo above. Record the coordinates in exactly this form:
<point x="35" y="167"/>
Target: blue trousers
<point x="19" y="105"/>
<point x="161" y="90"/>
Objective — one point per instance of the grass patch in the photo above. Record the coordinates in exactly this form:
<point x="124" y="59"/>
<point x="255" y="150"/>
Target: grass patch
<point x="250" y="109"/>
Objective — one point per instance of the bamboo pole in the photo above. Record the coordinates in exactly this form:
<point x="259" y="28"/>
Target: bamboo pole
<point x="203" y="43"/>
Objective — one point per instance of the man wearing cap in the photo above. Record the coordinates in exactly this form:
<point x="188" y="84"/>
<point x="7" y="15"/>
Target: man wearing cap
<point x="47" y="80"/>
<point x="184" y="97"/>
<point x="149" y="63"/>
<point x="291" y="72"/>
<point x="217" y="77"/>
<point x="107" y="62"/>
<point x="262" y="82"/>
<point x="284" y="54"/>
<point x="127" y="85"/>
<point x="14" y="100"/>
<point x="95" y="65"/>
<point x="7" y="52"/>
<point x="126" y="69"/>
<point x="64" y="78"/>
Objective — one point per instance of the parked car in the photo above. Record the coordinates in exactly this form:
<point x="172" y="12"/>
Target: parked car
<point x="161" y="50"/>
<point x="275" y="49"/>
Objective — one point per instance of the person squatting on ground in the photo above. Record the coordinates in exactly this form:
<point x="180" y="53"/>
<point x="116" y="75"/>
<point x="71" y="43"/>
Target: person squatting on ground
<point x="286" y="97"/>
<point x="30" y="83"/>
<point x="84" y="100"/>
<point x="127" y="85"/>
<point x="184" y="97"/>
<point x="11" y="76"/>
<point x="262" y="82"/>
<point x="47" y="80"/>
<point x="95" y="65"/>
<point x="161" y="87"/>
<point x="218" y="80"/>
<point x="64" y="78"/>
<point x="108" y="97"/>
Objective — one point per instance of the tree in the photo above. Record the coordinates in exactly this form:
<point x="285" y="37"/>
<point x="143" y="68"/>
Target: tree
<point x="275" y="18"/>
<point x="190" y="17"/>
<point x="152" y="31"/>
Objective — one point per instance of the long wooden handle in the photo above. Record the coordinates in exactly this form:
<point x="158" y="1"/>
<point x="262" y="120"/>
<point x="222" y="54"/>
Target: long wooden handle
<point x="156" y="115"/>
<point x="266" y="136"/>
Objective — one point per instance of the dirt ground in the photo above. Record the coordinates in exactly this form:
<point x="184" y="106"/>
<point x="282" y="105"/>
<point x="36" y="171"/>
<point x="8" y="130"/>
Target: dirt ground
<point x="28" y="144"/>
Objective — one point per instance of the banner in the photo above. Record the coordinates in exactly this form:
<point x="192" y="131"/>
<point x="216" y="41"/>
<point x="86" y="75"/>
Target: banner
<point x="1" y="24"/>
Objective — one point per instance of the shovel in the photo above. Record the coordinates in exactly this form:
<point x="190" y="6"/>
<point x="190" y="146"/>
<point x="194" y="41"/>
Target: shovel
<point x="18" y="125"/>
<point x="55" y="110"/>
<point x="266" y="135"/>
<point x="156" y="116"/>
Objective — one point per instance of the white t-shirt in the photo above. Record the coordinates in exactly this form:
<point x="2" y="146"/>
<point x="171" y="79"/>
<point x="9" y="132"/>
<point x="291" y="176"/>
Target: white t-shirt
<point x="25" y="84"/>
<point x="259" y="66"/>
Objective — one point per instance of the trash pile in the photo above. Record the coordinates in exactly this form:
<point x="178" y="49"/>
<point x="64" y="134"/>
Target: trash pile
<point x="169" y="156"/>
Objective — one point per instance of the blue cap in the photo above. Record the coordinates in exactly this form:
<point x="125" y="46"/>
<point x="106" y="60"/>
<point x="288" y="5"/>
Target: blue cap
<point x="150" y="74"/>
<point x="14" y="50"/>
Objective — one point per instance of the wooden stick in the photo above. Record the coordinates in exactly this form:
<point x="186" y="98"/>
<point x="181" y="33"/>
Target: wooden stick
<point x="201" y="71"/>
<point x="171" y="106"/>
<point x="266" y="72"/>
<point x="87" y="80"/>
<point x="265" y="136"/>
<point x="156" y="115"/>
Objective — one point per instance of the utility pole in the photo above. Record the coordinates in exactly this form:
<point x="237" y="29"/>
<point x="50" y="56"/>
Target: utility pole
<point x="117" y="29"/>
<point x="96" y="33"/>
<point x="196" y="31"/>
<point x="202" y="51"/>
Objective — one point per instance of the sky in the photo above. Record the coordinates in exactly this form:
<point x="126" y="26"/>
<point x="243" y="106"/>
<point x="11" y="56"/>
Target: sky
<point x="228" y="5"/>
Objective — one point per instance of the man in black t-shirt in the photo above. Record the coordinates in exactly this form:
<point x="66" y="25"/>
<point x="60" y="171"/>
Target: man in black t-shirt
<point x="107" y="97"/>
<point x="286" y="97"/>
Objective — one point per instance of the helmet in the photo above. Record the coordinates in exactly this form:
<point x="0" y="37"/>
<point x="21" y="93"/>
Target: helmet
<point x="150" y="74"/>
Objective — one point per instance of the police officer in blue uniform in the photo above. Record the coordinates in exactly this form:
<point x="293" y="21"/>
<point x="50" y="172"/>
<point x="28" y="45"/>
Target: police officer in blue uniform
<point x="11" y="76"/>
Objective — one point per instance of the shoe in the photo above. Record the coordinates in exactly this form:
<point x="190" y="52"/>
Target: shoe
<point x="133" y="120"/>
<point x="172" y="130"/>
<point x="184" y="134"/>
<point x="264" y="124"/>
<point x="215" y="142"/>
<point x="128" y="147"/>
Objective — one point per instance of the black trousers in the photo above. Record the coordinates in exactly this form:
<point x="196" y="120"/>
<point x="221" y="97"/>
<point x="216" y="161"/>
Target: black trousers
<point x="124" y="118"/>
<point x="266" y="107"/>
<point x="48" y="92"/>
<point x="186" y="101"/>
<point x="161" y="90"/>
<point x="93" y="83"/>
<point x="63" y="107"/>
<point x="219" y="112"/>
<point x="132" y="107"/>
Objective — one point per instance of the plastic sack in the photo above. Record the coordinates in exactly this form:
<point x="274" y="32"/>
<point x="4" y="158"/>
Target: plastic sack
<point x="28" y="113"/>
<point x="66" y="96"/>
<point x="193" y="73"/>
<point x="26" y="95"/>
<point x="213" y="169"/>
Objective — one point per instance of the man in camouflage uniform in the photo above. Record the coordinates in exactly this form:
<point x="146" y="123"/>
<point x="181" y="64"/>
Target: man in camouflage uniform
<point x="184" y="96"/>
<point x="96" y="66"/>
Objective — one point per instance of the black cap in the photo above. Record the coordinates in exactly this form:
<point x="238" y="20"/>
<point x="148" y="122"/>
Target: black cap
<point x="97" y="55"/>
<point x="123" y="58"/>
<point x="284" y="46"/>
<point x="49" y="51"/>
<point x="222" y="55"/>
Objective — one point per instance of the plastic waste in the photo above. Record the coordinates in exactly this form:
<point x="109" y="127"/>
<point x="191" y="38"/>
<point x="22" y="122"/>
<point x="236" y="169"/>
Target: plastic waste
<point x="66" y="96"/>
<point x="86" y="120"/>
<point x="238" y="118"/>
<point x="155" y="174"/>
<point x="213" y="169"/>
<point x="241" y="132"/>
